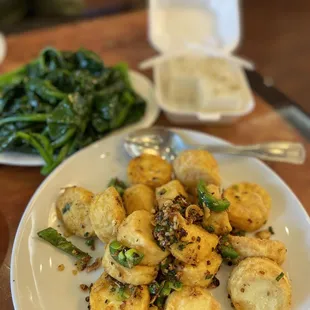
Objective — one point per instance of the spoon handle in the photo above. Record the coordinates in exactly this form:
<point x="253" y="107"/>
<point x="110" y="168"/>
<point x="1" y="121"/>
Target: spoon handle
<point x="288" y="152"/>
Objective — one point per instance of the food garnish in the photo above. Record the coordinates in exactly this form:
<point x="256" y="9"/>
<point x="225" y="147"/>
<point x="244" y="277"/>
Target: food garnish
<point x="119" y="185"/>
<point x="207" y="199"/>
<point x="280" y="276"/>
<point x="226" y="249"/>
<point x="125" y="256"/>
<point x="52" y="236"/>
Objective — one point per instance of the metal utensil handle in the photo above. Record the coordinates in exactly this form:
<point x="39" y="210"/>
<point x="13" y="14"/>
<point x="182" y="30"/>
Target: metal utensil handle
<point x="288" y="152"/>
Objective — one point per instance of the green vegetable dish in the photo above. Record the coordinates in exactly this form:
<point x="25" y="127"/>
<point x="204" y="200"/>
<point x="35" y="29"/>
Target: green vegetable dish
<point x="63" y="101"/>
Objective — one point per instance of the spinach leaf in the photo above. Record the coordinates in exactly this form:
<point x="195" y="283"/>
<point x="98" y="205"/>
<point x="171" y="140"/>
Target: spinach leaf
<point x="121" y="110"/>
<point x="62" y="79"/>
<point x="9" y="93"/>
<point x="45" y="90"/>
<point x="61" y="118"/>
<point x="52" y="59"/>
<point x="99" y="123"/>
<point x="12" y="77"/>
<point x="90" y="61"/>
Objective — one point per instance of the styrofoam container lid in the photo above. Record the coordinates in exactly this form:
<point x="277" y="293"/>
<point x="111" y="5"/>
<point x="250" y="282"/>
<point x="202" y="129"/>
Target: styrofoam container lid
<point x="198" y="88"/>
<point x="3" y="47"/>
<point x="175" y="23"/>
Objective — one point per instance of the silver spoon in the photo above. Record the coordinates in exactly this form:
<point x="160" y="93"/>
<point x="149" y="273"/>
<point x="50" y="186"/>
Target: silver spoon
<point x="167" y="144"/>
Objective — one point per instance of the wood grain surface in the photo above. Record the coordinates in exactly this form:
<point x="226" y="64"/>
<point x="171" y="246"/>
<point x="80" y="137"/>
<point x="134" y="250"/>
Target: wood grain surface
<point x="121" y="38"/>
<point x="276" y="37"/>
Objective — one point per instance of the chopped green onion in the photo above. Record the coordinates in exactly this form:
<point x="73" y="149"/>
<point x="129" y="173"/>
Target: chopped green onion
<point x="270" y="229"/>
<point x="125" y="256"/>
<point x="280" y="276"/>
<point x="121" y="258"/>
<point x="229" y="252"/>
<point x="154" y="288"/>
<point x="118" y="184"/>
<point x="66" y="208"/>
<point x="166" y="290"/>
<point x="123" y="293"/>
<point x="183" y="245"/>
<point x="226" y="249"/>
<point x="133" y="257"/>
<point x="91" y="243"/>
<point x="175" y="285"/>
<point x="163" y="290"/>
<point x="162" y="191"/>
<point x="237" y="232"/>
<point x="209" y="228"/>
<point x="115" y="246"/>
<point x="209" y="276"/>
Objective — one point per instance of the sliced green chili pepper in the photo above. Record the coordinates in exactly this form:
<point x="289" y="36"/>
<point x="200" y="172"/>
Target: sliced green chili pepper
<point x="52" y="236"/>
<point x="205" y="198"/>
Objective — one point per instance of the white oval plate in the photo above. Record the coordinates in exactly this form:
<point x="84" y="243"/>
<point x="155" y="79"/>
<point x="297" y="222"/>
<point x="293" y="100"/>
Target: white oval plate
<point x="141" y="84"/>
<point x="35" y="281"/>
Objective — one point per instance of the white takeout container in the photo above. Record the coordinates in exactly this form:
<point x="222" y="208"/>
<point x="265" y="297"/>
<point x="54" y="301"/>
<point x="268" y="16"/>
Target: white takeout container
<point x="3" y="47"/>
<point x="175" y="24"/>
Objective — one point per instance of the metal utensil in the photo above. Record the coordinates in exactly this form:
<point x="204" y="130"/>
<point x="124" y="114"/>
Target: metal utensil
<point x="166" y="143"/>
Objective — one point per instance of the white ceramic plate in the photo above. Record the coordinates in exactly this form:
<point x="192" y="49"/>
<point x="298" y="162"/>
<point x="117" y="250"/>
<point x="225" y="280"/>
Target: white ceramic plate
<point x="35" y="281"/>
<point x="141" y="84"/>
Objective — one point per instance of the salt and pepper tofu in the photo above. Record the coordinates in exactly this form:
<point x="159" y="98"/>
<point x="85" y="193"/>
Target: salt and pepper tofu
<point x="136" y="232"/>
<point x="214" y="190"/>
<point x="263" y="234"/>
<point x="259" y="283"/>
<point x="165" y="244"/>
<point x="191" y="166"/>
<point x="195" y="243"/>
<point x="73" y="207"/>
<point x="192" y="298"/>
<point x="169" y="191"/>
<point x="249" y="206"/>
<point x="216" y="222"/>
<point x="139" y="197"/>
<point x="200" y="274"/>
<point x="106" y="214"/>
<point x="150" y="170"/>
<point x="106" y="294"/>
<point x="137" y="275"/>
<point x="254" y="247"/>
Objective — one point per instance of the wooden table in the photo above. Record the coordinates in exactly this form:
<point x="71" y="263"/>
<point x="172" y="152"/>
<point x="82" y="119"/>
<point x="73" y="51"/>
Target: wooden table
<point x="275" y="36"/>
<point x="115" y="39"/>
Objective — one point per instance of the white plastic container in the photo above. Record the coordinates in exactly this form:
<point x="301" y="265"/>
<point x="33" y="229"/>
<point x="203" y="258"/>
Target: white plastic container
<point x="173" y="25"/>
<point x="3" y="48"/>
